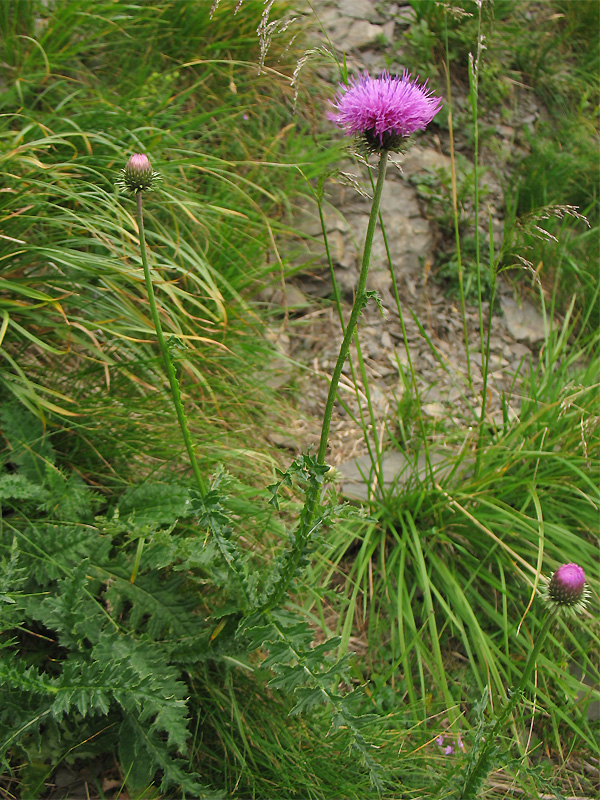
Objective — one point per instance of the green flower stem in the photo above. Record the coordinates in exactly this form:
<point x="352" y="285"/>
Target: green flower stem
<point x="359" y="301"/>
<point x="473" y="776"/>
<point x="305" y="528"/>
<point x="168" y="364"/>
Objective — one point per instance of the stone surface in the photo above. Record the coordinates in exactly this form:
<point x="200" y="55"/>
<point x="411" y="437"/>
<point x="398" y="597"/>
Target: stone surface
<point x="358" y="9"/>
<point x="523" y="320"/>
<point x="359" y="476"/>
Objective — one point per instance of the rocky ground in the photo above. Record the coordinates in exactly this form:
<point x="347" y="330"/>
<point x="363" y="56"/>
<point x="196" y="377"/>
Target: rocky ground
<point x="310" y="335"/>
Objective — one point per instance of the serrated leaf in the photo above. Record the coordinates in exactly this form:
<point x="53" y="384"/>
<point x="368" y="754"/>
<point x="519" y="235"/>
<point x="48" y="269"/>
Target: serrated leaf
<point x="138" y="770"/>
<point x="16" y="486"/>
<point x="62" y="547"/>
<point x="256" y="636"/>
<point x="158" y="605"/>
<point x="71" y="610"/>
<point x="155" y="504"/>
<point x="308" y="698"/>
<point x="174" y="772"/>
<point x="288" y="678"/>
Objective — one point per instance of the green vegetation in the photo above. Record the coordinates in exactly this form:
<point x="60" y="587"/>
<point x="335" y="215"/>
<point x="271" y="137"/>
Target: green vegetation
<point x="541" y="56"/>
<point x="145" y="643"/>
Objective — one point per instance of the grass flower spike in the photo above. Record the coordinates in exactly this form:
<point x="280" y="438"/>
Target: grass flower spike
<point x="384" y="111"/>
<point x="138" y="175"/>
<point x="567" y="590"/>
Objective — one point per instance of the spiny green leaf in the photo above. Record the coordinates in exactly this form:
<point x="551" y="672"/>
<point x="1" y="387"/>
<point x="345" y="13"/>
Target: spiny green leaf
<point x="16" y="486"/>
<point x="155" y="504"/>
<point x="145" y="744"/>
<point x="71" y="610"/>
<point x="159" y="605"/>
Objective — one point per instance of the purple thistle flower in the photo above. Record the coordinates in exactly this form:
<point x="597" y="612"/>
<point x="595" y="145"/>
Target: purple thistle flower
<point x="384" y="110"/>
<point x="138" y="175"/>
<point x="566" y="590"/>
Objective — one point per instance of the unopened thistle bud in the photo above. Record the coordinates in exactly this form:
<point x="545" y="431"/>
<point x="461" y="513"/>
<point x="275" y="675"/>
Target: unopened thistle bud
<point x="138" y="175"/>
<point x="566" y="589"/>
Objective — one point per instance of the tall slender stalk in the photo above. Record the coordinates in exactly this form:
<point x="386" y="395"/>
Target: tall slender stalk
<point x="374" y="457"/>
<point x="359" y="301"/>
<point x="474" y="95"/>
<point x="168" y="364"/>
<point x="278" y="591"/>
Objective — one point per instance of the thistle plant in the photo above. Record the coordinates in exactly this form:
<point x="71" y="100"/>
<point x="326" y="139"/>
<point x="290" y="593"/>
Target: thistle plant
<point x="381" y="113"/>
<point x="565" y="594"/>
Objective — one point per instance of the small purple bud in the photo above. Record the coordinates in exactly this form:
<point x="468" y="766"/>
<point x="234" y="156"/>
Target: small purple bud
<point x="138" y="175"/>
<point x="567" y="590"/>
<point x="566" y="585"/>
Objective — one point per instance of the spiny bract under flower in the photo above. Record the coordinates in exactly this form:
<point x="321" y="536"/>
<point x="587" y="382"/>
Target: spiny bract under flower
<point x="138" y="175"/>
<point x="384" y="110"/>
<point x="566" y="589"/>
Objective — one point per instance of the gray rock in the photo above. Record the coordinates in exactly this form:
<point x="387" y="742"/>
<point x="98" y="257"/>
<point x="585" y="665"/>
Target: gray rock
<point x="398" y="472"/>
<point x="280" y="373"/>
<point x="290" y="296"/>
<point x="388" y="31"/>
<point x="435" y="410"/>
<point x="358" y="9"/>
<point x="337" y="27"/>
<point x="362" y="34"/>
<point x="424" y="158"/>
<point x="285" y="441"/>
<point x="523" y="321"/>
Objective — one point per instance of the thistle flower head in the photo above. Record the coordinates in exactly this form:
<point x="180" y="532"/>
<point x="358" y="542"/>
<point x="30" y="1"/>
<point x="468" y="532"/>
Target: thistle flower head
<point x="138" y="175"/>
<point x="384" y="111"/>
<point x="566" y="589"/>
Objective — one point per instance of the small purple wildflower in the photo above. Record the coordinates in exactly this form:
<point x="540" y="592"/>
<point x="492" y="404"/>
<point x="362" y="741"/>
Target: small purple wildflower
<point x="449" y="748"/>
<point x="138" y="175"/>
<point x="384" y="110"/>
<point x="566" y="590"/>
